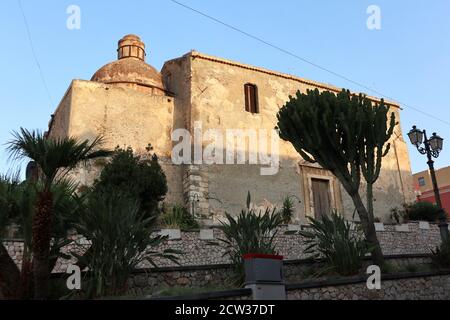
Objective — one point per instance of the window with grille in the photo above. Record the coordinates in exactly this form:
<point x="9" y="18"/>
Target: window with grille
<point x="251" y="98"/>
<point x="421" y="181"/>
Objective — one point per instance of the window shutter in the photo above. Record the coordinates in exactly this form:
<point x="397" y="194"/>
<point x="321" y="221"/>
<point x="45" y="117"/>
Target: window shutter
<point x="251" y="98"/>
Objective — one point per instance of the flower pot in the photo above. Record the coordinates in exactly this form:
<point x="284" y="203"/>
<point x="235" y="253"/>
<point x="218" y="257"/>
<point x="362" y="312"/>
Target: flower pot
<point x="263" y="268"/>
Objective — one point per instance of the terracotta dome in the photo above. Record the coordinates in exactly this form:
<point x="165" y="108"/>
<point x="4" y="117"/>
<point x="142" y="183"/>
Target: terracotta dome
<point x="131" y="69"/>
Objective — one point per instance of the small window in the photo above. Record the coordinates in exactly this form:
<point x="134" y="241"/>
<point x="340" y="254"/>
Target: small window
<point x="421" y="181"/>
<point x="251" y="98"/>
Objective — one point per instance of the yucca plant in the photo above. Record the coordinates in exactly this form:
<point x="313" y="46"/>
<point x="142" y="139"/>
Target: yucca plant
<point x="121" y="237"/>
<point x="249" y="232"/>
<point x="287" y="210"/>
<point x="332" y="239"/>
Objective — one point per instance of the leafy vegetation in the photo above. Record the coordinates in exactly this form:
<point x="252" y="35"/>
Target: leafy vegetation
<point x="287" y="210"/>
<point x="249" y="232"/>
<point x="440" y="257"/>
<point x="54" y="159"/>
<point x="178" y="218"/>
<point x="424" y="211"/>
<point x="17" y="201"/>
<point x="398" y="215"/>
<point x="417" y="211"/>
<point x="331" y="238"/>
<point x="346" y="134"/>
<point x="140" y="176"/>
<point x="121" y="237"/>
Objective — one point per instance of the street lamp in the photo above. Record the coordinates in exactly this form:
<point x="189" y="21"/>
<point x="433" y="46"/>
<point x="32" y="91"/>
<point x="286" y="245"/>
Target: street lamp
<point x="431" y="147"/>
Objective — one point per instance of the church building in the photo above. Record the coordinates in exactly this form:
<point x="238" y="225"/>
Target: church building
<point x="130" y="103"/>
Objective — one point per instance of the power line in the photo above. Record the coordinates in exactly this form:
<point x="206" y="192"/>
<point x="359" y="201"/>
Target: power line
<point x="41" y="73"/>
<point x="307" y="61"/>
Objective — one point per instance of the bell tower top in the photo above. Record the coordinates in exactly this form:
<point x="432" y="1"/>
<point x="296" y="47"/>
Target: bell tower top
<point x="131" y="46"/>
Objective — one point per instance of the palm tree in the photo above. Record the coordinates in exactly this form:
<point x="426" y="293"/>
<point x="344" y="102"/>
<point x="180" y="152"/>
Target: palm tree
<point x="54" y="158"/>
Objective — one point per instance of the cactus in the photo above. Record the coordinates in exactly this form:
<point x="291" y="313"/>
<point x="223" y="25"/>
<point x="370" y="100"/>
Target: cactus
<point x="344" y="134"/>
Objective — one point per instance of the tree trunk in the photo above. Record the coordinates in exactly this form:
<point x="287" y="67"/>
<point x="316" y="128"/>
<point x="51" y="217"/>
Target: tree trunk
<point x="26" y="280"/>
<point x="41" y="235"/>
<point x="369" y="230"/>
<point x="9" y="275"/>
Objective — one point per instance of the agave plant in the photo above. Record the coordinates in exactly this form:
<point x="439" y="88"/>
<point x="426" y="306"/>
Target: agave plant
<point x="332" y="239"/>
<point x="249" y="232"/>
<point x="121" y="237"/>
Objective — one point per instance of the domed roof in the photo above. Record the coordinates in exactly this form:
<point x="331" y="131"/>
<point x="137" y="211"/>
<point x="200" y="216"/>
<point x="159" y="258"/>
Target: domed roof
<point x="131" y="67"/>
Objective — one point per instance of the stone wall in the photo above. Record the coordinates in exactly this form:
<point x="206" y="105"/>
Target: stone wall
<point x="149" y="281"/>
<point x="412" y="238"/>
<point x="425" y="286"/>
<point x="124" y="117"/>
<point x="217" y="102"/>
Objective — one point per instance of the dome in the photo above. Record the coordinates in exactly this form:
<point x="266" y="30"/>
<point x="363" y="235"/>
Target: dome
<point x="130" y="69"/>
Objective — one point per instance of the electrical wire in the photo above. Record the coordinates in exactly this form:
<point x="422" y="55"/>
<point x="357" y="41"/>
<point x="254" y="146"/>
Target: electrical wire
<point x="41" y="73"/>
<point x="359" y="84"/>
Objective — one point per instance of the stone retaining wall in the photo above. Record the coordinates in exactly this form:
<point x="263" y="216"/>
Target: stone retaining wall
<point x="425" y="286"/>
<point x="412" y="238"/>
<point x="147" y="281"/>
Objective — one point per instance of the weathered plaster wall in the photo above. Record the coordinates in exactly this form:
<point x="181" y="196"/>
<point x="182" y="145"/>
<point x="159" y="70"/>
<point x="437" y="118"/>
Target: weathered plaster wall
<point x="210" y="91"/>
<point x="60" y="122"/>
<point x="124" y="117"/>
<point x="217" y="101"/>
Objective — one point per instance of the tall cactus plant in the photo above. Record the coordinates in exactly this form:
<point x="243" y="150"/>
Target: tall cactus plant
<point x="345" y="134"/>
<point x="373" y="147"/>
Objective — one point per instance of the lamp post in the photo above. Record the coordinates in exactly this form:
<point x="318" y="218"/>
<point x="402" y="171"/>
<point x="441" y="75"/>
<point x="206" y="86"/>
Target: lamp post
<point x="431" y="147"/>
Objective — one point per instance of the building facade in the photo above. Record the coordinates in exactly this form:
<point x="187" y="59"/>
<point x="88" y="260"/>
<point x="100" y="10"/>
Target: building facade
<point x="131" y="104"/>
<point x="424" y="187"/>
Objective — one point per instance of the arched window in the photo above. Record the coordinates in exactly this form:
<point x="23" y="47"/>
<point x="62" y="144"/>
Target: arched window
<point x="251" y="98"/>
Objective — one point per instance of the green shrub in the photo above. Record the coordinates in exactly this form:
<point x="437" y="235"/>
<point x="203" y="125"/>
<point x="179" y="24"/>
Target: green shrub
<point x="249" y="232"/>
<point x="137" y="176"/>
<point x="440" y="257"/>
<point x="423" y="211"/>
<point x="398" y="215"/>
<point x="179" y="218"/>
<point x="287" y="211"/>
<point x="121" y="237"/>
<point x="331" y="239"/>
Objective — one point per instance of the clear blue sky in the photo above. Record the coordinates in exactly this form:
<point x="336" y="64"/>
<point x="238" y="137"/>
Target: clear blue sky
<point x="409" y="58"/>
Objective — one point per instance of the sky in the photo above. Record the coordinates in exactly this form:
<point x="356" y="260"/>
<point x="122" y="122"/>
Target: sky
<point x="406" y="58"/>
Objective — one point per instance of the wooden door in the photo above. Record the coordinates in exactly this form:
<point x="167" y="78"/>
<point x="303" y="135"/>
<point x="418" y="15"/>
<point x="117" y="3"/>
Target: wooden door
<point x="321" y="197"/>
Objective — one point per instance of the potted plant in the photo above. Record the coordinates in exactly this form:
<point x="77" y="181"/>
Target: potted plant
<point x="248" y="240"/>
<point x="263" y="268"/>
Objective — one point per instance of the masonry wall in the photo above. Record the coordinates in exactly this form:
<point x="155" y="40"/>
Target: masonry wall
<point x="125" y="118"/>
<point x="217" y="102"/>
<point x="427" y="287"/>
<point x="412" y="238"/>
<point x="217" y="276"/>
